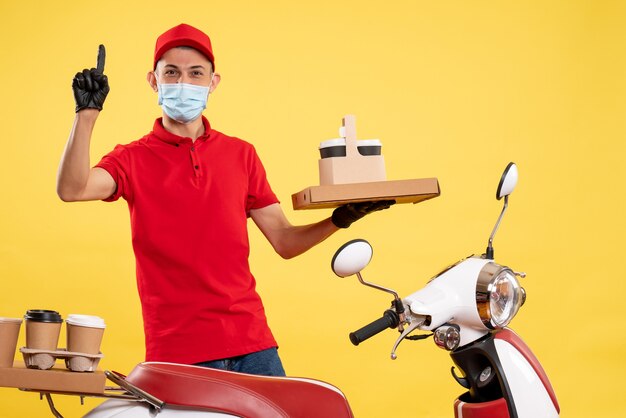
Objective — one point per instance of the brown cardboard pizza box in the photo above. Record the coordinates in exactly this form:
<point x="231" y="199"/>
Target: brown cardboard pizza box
<point x="57" y="379"/>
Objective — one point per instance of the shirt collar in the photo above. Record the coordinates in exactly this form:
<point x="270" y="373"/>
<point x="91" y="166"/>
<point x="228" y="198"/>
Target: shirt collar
<point x="160" y="132"/>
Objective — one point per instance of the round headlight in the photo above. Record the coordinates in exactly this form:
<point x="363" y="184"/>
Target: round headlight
<point x="498" y="295"/>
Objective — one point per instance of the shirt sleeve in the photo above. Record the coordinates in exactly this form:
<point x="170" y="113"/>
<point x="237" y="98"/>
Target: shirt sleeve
<point x="260" y="193"/>
<point x="116" y="163"/>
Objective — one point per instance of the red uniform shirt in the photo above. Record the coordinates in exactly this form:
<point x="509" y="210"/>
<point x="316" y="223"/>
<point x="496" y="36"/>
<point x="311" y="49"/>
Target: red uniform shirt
<point x="189" y="204"/>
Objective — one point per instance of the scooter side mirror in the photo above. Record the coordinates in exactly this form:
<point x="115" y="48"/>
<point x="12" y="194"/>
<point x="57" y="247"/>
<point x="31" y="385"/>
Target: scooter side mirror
<point x="507" y="182"/>
<point x="352" y="257"/>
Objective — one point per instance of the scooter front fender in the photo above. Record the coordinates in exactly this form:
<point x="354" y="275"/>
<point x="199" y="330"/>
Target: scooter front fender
<point x="516" y="385"/>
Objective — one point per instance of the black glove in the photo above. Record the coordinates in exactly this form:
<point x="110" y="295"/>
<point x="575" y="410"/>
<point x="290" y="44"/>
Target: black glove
<point x="91" y="86"/>
<point x="345" y="215"/>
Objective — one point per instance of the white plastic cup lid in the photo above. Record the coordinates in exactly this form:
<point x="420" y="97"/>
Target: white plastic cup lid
<point x="11" y="320"/>
<point x="338" y="142"/>
<point x="369" y="143"/>
<point x="85" y="321"/>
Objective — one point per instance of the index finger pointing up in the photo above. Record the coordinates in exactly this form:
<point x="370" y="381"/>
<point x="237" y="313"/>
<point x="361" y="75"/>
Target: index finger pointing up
<point x="101" y="57"/>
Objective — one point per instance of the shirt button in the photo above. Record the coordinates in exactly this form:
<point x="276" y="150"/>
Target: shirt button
<point x="193" y="148"/>
<point x="196" y="167"/>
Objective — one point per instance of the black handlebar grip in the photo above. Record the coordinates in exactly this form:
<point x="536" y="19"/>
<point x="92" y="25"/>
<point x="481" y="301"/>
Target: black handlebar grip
<point x="388" y="320"/>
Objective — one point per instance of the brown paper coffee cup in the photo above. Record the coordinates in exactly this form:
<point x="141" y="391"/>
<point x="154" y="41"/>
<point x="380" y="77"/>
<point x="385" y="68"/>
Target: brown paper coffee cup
<point x="84" y="333"/>
<point x="9" y="331"/>
<point x="42" y="329"/>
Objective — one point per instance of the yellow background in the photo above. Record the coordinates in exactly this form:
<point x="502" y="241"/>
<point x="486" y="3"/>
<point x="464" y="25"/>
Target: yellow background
<point x="454" y="90"/>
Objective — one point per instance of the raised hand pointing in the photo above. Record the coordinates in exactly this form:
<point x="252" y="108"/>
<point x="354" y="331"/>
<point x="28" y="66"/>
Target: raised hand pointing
<point x="102" y="54"/>
<point x="91" y="86"/>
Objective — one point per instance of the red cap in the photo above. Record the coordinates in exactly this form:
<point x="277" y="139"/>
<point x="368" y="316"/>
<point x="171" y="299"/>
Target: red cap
<point x="183" y="35"/>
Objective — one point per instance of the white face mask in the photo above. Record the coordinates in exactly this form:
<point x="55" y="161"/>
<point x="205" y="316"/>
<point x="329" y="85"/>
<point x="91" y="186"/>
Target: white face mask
<point x="183" y="102"/>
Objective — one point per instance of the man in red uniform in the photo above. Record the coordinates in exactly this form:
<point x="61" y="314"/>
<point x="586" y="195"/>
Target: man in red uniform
<point x="190" y="190"/>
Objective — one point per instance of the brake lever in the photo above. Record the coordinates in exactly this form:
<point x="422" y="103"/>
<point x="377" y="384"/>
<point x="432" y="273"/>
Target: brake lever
<point x="409" y="329"/>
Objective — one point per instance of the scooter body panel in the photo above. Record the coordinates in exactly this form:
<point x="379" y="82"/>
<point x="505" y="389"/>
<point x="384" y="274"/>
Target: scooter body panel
<point x="450" y="298"/>
<point x="532" y="392"/>
<point x="504" y="379"/>
<point x="115" y="408"/>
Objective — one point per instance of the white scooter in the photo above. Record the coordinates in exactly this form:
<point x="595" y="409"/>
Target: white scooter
<point x="467" y="307"/>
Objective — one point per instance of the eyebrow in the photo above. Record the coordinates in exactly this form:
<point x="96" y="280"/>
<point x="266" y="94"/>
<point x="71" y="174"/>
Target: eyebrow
<point x="193" y="67"/>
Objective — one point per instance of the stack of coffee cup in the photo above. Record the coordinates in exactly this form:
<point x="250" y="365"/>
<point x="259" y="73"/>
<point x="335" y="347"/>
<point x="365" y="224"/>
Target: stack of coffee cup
<point x="9" y="331"/>
<point x="84" y="336"/>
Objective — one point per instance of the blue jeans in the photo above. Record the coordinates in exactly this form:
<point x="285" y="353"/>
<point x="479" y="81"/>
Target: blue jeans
<point x="264" y="363"/>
